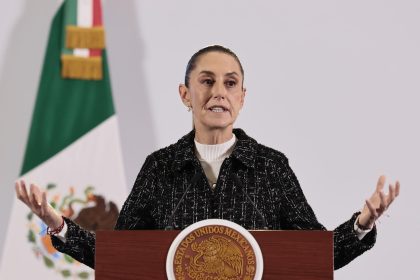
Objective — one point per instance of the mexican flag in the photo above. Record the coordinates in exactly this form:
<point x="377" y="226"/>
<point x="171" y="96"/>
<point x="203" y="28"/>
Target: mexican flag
<point x="73" y="149"/>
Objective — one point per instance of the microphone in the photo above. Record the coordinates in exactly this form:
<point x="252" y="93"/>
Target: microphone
<point x="238" y="182"/>
<point x="171" y="218"/>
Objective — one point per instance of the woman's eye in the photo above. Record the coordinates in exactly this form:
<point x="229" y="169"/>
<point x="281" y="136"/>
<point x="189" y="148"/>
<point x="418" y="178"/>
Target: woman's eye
<point x="230" y="83"/>
<point x="208" y="82"/>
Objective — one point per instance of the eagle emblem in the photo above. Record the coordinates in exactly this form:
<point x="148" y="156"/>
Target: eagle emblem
<point x="218" y="257"/>
<point x="214" y="249"/>
<point x="89" y="210"/>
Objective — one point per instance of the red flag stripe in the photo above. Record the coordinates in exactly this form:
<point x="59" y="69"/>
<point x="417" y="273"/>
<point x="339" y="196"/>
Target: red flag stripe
<point x="97" y="21"/>
<point x="97" y="13"/>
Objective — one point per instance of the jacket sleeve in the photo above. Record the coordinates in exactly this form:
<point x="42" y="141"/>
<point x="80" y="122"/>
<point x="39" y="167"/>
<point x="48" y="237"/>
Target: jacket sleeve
<point x="80" y="243"/>
<point x="136" y="212"/>
<point x="296" y="213"/>
<point x="347" y="245"/>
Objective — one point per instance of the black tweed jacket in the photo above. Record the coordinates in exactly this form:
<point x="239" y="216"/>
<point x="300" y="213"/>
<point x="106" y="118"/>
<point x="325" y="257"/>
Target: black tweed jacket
<point x="263" y="173"/>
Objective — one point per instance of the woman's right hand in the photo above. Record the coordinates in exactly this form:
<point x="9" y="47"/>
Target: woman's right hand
<point x="36" y="200"/>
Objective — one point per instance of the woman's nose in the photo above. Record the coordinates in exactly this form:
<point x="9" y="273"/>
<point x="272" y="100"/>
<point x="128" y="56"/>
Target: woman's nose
<point x="219" y="91"/>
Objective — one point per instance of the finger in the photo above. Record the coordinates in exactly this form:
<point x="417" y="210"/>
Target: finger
<point x="383" y="204"/>
<point x="18" y="191"/>
<point x="391" y="194"/>
<point x="372" y="210"/>
<point x="44" y="207"/>
<point x="22" y="191"/>
<point x="397" y="188"/>
<point x="31" y="196"/>
<point x="23" y="184"/>
<point x="381" y="183"/>
<point x="38" y="193"/>
<point x="34" y="197"/>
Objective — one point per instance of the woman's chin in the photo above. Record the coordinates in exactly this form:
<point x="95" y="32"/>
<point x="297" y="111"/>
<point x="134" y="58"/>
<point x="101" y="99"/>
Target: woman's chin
<point x="220" y="125"/>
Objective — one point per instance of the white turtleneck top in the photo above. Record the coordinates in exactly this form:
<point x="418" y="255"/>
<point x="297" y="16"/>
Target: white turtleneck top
<point x="211" y="157"/>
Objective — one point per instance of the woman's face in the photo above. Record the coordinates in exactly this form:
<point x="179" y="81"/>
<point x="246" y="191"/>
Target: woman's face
<point x="215" y="91"/>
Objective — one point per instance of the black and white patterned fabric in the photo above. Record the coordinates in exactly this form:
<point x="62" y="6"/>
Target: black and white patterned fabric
<point x="263" y="173"/>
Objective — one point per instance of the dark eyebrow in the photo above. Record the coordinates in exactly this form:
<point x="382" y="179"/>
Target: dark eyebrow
<point x="206" y="72"/>
<point x="232" y="74"/>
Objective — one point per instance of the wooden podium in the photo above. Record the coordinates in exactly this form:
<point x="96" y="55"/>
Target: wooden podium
<point x="142" y="254"/>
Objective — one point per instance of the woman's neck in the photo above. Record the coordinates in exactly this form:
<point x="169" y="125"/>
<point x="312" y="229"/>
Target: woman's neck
<point x="213" y="137"/>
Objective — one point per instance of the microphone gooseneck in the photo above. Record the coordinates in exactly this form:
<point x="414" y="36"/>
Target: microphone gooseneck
<point x="171" y="218"/>
<point x="238" y="182"/>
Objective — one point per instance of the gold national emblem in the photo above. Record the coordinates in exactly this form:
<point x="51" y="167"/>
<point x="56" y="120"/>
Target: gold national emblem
<point x="214" y="252"/>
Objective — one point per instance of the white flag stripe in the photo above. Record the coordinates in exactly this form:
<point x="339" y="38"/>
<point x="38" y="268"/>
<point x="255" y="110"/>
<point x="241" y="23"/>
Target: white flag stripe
<point x="85" y="13"/>
<point x="81" y="52"/>
<point x="84" y="19"/>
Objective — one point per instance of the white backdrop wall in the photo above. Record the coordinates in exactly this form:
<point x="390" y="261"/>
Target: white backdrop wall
<point x="332" y="84"/>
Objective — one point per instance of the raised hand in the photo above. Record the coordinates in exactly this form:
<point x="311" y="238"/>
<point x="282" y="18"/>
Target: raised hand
<point x="378" y="203"/>
<point x="36" y="200"/>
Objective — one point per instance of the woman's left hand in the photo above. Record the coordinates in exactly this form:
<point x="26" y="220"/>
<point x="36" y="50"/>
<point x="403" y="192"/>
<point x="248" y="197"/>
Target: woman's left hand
<point x="378" y="203"/>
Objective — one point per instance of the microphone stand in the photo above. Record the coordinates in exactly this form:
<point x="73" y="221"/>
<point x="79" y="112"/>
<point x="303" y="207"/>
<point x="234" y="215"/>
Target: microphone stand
<point x="171" y="218"/>
<point x="238" y="182"/>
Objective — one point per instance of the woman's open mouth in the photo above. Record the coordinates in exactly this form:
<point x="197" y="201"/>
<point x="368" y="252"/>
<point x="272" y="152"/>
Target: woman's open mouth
<point x="218" y="109"/>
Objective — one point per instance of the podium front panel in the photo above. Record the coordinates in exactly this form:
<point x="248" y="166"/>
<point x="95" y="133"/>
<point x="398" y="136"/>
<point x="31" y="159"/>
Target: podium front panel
<point x="288" y="255"/>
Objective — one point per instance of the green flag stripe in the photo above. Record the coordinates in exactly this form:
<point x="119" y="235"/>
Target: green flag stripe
<point x="65" y="109"/>
<point x="70" y="18"/>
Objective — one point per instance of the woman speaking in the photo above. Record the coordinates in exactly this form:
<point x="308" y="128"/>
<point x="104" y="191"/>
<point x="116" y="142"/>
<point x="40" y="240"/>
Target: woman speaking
<point x="211" y="171"/>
